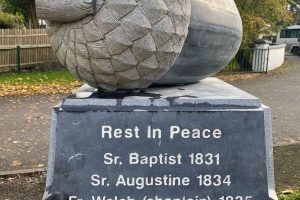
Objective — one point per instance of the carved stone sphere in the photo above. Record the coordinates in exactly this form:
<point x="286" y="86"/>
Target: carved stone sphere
<point x="215" y="35"/>
<point x="117" y="44"/>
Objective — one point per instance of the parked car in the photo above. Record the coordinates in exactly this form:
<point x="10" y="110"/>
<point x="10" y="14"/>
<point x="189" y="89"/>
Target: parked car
<point x="297" y="51"/>
<point x="290" y="37"/>
<point x="270" y="39"/>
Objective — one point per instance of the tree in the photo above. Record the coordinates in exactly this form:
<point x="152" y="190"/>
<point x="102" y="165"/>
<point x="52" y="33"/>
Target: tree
<point x="295" y="9"/>
<point x="26" y="8"/>
<point x="31" y="8"/>
<point x="259" y="16"/>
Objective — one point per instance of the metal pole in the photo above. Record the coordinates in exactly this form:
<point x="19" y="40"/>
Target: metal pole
<point x="19" y="59"/>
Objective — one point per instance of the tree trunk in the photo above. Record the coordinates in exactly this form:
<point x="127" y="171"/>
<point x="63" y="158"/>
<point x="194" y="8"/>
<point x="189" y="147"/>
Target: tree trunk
<point x="32" y="13"/>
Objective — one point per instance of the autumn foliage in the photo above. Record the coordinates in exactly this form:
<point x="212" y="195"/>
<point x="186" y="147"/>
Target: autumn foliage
<point x="263" y="16"/>
<point x="52" y="82"/>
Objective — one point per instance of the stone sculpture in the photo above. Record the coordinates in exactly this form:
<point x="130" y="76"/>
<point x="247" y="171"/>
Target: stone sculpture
<point x="215" y="35"/>
<point x="108" y="145"/>
<point x="117" y="44"/>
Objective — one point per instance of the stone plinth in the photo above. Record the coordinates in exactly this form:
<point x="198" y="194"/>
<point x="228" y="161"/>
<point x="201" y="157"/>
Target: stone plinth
<point x="206" y="141"/>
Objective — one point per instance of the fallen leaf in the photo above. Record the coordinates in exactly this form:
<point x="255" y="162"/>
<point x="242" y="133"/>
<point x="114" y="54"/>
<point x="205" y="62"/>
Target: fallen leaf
<point x="16" y="163"/>
<point x="41" y="165"/>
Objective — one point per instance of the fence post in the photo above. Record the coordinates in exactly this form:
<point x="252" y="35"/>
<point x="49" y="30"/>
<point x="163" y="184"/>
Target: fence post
<point x="18" y="59"/>
<point x="268" y="55"/>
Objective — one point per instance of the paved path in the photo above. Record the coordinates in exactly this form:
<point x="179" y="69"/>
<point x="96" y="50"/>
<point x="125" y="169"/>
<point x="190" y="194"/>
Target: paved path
<point x="25" y="121"/>
<point x="281" y="93"/>
<point x="24" y="129"/>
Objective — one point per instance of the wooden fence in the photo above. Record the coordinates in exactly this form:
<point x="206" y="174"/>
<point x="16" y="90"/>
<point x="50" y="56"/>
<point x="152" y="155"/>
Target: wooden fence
<point x="14" y="37"/>
<point x="20" y="48"/>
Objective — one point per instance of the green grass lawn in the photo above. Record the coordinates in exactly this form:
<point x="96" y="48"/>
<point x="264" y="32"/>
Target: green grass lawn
<point x="31" y="83"/>
<point x="294" y="196"/>
<point x="37" y="77"/>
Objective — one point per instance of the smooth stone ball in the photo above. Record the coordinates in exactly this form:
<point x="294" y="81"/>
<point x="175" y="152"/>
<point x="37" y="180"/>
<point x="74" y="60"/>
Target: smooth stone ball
<point x="215" y="35"/>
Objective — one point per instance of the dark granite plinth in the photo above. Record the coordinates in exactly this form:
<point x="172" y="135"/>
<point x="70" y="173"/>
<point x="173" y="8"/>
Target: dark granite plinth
<point x="206" y="141"/>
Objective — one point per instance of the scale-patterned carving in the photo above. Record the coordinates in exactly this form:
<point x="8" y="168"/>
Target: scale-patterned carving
<point x="126" y="44"/>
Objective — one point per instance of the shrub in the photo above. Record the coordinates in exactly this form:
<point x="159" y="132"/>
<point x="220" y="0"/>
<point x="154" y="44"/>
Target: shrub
<point x="10" y="21"/>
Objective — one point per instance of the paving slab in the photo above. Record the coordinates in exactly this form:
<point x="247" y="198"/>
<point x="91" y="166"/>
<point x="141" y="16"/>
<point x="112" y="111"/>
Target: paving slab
<point x="281" y="92"/>
<point x="24" y="130"/>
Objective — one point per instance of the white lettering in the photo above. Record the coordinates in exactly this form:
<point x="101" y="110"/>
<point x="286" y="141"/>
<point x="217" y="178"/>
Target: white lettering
<point x="110" y="133"/>
<point x="160" y="159"/>
<point x="177" y="132"/>
<point x="141" y="182"/>
<point x="96" y="180"/>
